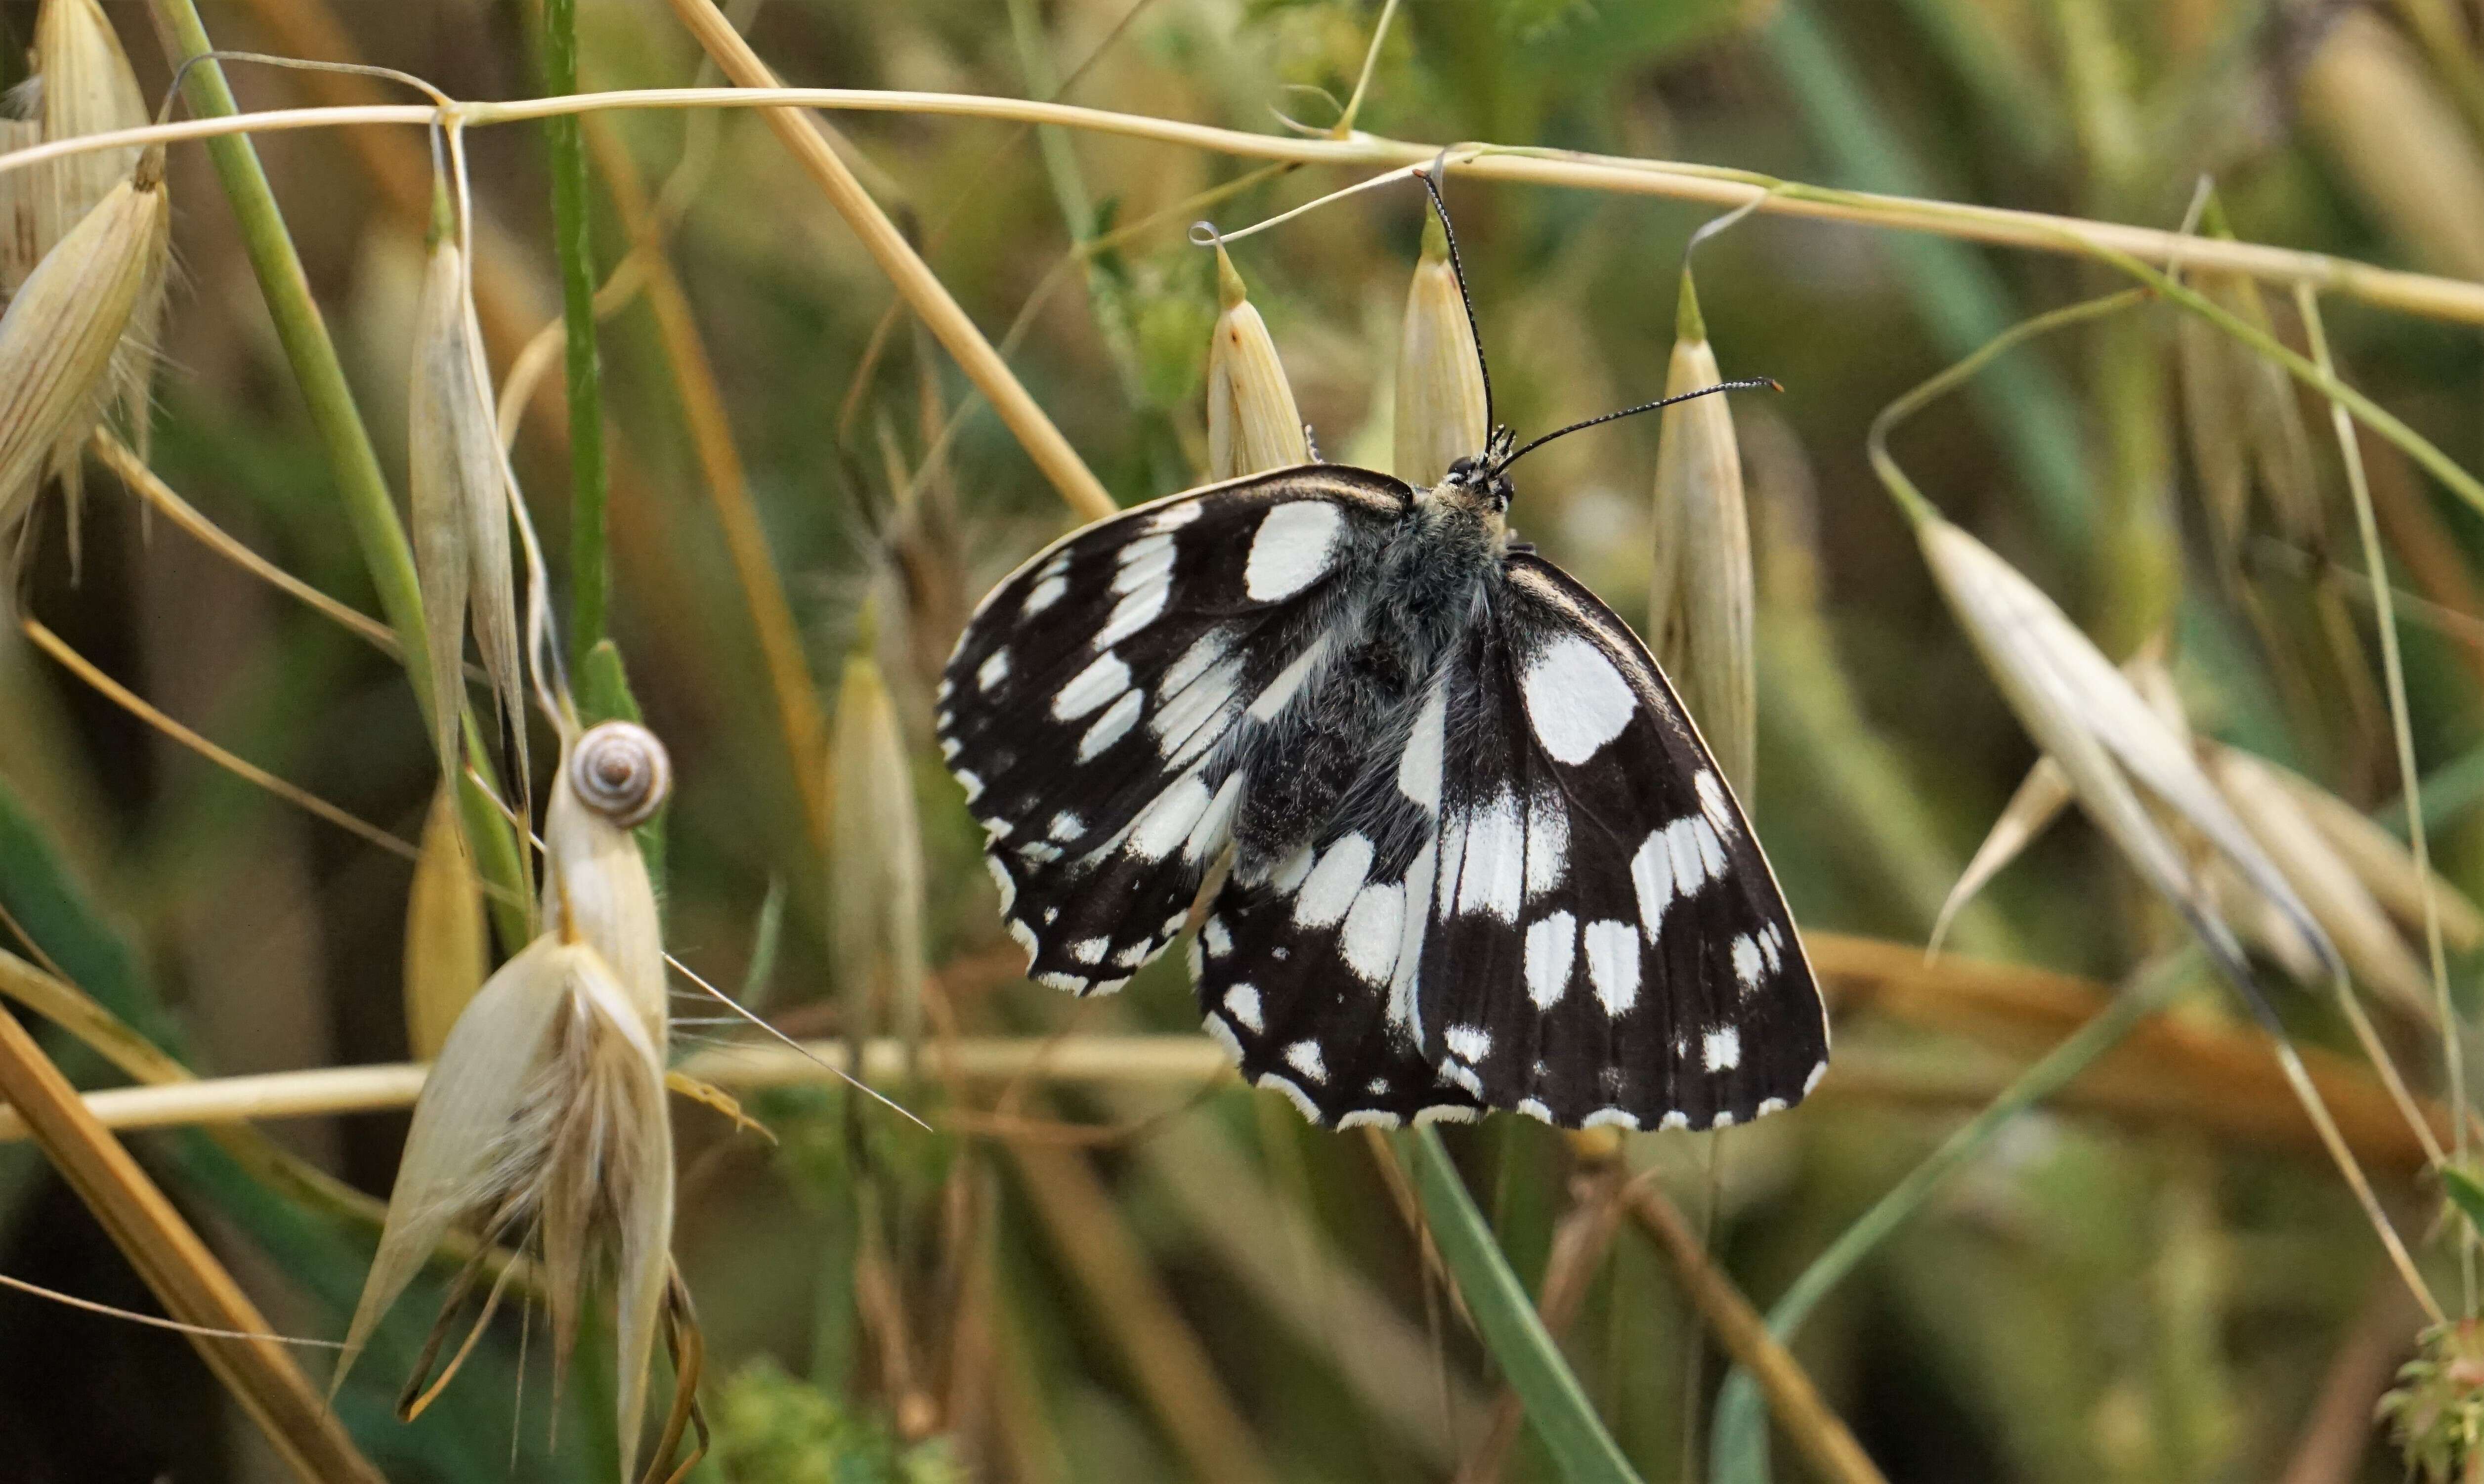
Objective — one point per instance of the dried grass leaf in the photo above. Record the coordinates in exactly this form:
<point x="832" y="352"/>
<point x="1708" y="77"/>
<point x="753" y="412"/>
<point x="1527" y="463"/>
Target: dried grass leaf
<point x="447" y="949"/>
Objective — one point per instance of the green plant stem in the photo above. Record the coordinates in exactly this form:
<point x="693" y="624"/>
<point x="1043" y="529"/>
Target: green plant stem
<point x="1556" y="1404"/>
<point x="1912" y="499"/>
<point x="304" y="335"/>
<point x="1739" y="1450"/>
<point x="369" y="508"/>
<point x="590" y="562"/>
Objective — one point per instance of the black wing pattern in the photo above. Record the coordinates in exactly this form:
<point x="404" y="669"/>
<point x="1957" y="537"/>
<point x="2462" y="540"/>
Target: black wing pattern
<point x="1585" y="931"/>
<point x="1100" y="705"/>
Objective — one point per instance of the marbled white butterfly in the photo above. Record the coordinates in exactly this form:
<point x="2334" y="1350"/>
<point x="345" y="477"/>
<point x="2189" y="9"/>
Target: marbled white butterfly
<point x="1449" y="839"/>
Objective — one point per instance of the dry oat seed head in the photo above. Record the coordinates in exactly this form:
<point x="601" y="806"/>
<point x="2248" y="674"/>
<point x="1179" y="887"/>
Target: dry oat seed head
<point x="2383" y="863"/>
<point x="544" y="1117"/>
<point x="87" y="87"/>
<point x="460" y="500"/>
<point x="1440" y="411"/>
<point x="65" y="328"/>
<point x="876" y="891"/>
<point x="2092" y="723"/>
<point x="447" y="949"/>
<point x="1253" y="425"/>
<point x="1700" y="599"/>
<point x="596" y="887"/>
<point x="2373" y="949"/>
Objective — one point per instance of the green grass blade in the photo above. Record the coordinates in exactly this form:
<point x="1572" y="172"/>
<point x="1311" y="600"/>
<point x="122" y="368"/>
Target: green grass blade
<point x="1556" y="1403"/>
<point x="1961" y="299"/>
<point x="1739" y="1450"/>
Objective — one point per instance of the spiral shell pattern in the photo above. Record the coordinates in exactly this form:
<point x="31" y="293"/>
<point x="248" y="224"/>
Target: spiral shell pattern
<point x="622" y="772"/>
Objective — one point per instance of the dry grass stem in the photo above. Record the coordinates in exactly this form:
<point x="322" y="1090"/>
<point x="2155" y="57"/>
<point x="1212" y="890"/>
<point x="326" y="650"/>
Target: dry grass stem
<point x="128" y="700"/>
<point x="905" y="269"/>
<point x="2428" y="295"/>
<point x="1818" y="1433"/>
<point x="185" y="1275"/>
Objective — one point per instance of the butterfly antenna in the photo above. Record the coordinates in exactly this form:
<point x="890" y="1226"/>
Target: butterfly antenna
<point x="1753" y="384"/>
<point x="1458" y="269"/>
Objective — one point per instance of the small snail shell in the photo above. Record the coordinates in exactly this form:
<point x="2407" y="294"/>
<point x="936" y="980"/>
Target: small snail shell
<point x="620" y="772"/>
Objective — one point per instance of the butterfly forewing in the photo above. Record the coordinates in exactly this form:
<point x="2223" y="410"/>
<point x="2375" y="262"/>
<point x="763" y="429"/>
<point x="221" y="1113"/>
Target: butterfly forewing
<point x="1100" y="708"/>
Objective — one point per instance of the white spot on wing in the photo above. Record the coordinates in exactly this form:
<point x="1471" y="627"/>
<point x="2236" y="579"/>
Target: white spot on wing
<point x="1495" y="859"/>
<point x="1576" y="700"/>
<point x="1292" y="548"/>
<point x="1612" y="963"/>
<point x="1419" y="767"/>
<point x="1134" y="614"/>
<point x="1548" y="842"/>
<point x="1001" y="879"/>
<point x="1724" y="1120"/>
<point x="1369" y="1117"/>
<point x="1403" y="979"/>
<point x="1535" y="1110"/>
<point x="1281" y="690"/>
<point x="1610" y="1118"/>
<point x="1175" y="516"/>
<point x="1101" y="680"/>
<point x="1290" y="872"/>
<point x="1242" y="1003"/>
<point x="1223" y="1034"/>
<point x="1712" y="801"/>
<point x="1712" y="850"/>
<point x="1163" y="825"/>
<point x="1652" y="874"/>
<point x="1371" y="931"/>
<point x="1813" y="1081"/>
<point x="1768" y="1105"/>
<point x="1216" y="825"/>
<point x="1748" y="962"/>
<point x="1218" y="938"/>
<point x="1552" y="947"/>
<point x="993" y="670"/>
<point x="1303" y="1055"/>
<point x="1331" y="888"/>
<point x="1044" y="595"/>
<point x="1111" y="727"/>
<point x="1721" y="1049"/>
<point x="1468" y="1042"/>
<point x="1089" y="949"/>
<point x="1143" y="561"/>
<point x="1446" y="1112"/>
<point x="1067" y="825"/>
<point x="972" y="784"/>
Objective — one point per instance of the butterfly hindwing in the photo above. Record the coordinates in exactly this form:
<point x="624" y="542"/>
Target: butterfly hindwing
<point x="1101" y="708"/>
<point x="1613" y="947"/>
<point x="1541" y="898"/>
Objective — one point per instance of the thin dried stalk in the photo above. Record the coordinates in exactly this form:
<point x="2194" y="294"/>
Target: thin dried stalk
<point x="912" y="277"/>
<point x="1817" y="1431"/>
<point x="2415" y="294"/>
<point x="1166" y="1361"/>
<point x="177" y="1266"/>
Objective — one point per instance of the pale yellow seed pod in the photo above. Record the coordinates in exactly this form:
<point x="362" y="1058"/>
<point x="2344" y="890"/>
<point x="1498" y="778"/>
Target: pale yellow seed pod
<point x="21" y="206"/>
<point x="459" y="499"/>
<point x="63" y="328"/>
<point x="1700" y="600"/>
<point x="876" y="889"/>
<point x="1253" y="425"/>
<point x="446" y="949"/>
<point x="88" y="88"/>
<point x="596" y="888"/>
<point x="1440" y="410"/>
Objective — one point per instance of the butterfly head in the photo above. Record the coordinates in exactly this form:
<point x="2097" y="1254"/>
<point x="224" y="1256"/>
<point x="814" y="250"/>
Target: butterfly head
<point x="1480" y="479"/>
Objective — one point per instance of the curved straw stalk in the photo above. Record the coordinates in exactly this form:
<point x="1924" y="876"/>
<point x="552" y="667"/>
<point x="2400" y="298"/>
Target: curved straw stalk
<point x="2429" y="295"/>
